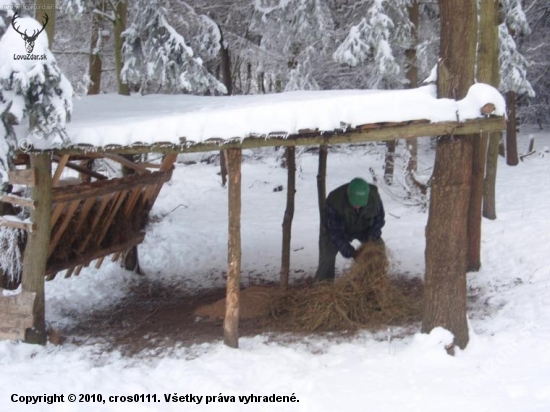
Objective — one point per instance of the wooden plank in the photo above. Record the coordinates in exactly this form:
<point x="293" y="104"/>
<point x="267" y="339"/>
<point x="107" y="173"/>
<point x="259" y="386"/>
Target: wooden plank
<point x="405" y="130"/>
<point x="101" y="188"/>
<point x="87" y="257"/>
<point x="20" y="304"/>
<point x="84" y="211"/>
<point x="25" y="177"/>
<point x="115" y="256"/>
<point x="17" y="200"/>
<point x="81" y="169"/>
<point x="78" y="270"/>
<point x="56" y="237"/>
<point x="16" y="223"/>
<point x="60" y="167"/>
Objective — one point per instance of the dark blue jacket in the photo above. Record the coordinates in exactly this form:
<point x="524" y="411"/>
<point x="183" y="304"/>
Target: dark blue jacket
<point x="344" y="223"/>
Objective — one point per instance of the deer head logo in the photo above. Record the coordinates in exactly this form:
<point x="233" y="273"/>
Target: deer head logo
<point x="29" y="40"/>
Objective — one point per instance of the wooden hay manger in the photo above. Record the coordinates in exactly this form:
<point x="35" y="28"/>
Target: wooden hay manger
<point x="363" y="297"/>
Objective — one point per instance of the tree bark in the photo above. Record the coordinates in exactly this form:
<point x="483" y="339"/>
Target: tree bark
<point x="489" y="185"/>
<point x="446" y="231"/>
<point x="487" y="72"/>
<point x="231" y="321"/>
<point x="512" y="157"/>
<point x="289" y="214"/>
<point x="47" y="7"/>
<point x="120" y="26"/>
<point x="38" y="241"/>
<point x="412" y="77"/>
<point x="95" y="63"/>
<point x="389" y="163"/>
<point x="322" y="186"/>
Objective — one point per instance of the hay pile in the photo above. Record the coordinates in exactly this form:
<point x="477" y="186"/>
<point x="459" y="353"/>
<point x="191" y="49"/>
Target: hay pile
<point x="364" y="296"/>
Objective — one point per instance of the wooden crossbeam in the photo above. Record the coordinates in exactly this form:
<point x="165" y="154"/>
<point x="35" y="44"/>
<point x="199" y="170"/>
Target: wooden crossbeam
<point x="80" y="169"/>
<point x="59" y="171"/>
<point x="16" y="223"/>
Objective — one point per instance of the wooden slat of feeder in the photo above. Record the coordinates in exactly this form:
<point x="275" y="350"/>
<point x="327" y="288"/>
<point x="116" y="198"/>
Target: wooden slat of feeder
<point x="78" y="270"/>
<point x="67" y="218"/>
<point x="25" y="177"/>
<point x="115" y="256"/>
<point x="51" y="277"/>
<point x="104" y="201"/>
<point x="133" y="199"/>
<point x="16" y="314"/>
<point x="84" y="211"/>
<point x="57" y="210"/>
<point x="69" y="272"/>
<point x="105" y="224"/>
<point x="17" y="200"/>
<point x="152" y="192"/>
<point x="60" y="167"/>
<point x="81" y="169"/>
<point x="99" y="262"/>
<point x="101" y="188"/>
<point x="96" y="254"/>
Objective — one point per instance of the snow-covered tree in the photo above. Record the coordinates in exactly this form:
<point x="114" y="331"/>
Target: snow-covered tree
<point x="513" y="66"/>
<point x="30" y="89"/>
<point x="154" y="52"/>
<point x="295" y="34"/>
<point x="378" y="42"/>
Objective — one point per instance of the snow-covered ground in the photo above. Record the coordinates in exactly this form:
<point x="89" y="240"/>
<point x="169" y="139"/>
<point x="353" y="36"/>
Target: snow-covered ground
<point x="506" y="366"/>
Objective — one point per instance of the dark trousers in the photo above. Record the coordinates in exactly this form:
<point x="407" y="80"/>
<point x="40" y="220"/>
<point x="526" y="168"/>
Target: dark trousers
<point x="327" y="259"/>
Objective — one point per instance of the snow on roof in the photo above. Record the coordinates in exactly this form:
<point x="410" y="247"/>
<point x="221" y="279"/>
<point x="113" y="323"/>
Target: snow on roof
<point x="125" y="120"/>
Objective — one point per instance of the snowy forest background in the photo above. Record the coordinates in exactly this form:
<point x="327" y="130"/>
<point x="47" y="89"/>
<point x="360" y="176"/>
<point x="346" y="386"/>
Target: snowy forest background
<point x="265" y="46"/>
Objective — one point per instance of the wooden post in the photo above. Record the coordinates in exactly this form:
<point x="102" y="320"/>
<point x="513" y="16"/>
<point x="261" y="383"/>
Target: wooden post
<point x="36" y="251"/>
<point x="289" y="214"/>
<point x="322" y="184"/>
<point x="231" y="321"/>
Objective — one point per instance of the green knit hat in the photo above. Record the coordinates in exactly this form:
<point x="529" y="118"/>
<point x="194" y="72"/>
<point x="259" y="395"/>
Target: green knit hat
<point x="358" y="192"/>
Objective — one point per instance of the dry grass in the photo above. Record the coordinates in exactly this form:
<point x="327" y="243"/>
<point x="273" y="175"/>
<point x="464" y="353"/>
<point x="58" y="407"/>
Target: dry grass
<point x="364" y="296"/>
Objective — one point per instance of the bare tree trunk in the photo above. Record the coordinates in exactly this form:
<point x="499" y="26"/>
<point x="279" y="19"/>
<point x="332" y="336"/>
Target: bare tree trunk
<point x="512" y="157"/>
<point x="487" y="72"/>
<point x="95" y="63"/>
<point x="225" y="64"/>
<point x="412" y="77"/>
<point x="44" y="7"/>
<point x="38" y="241"/>
<point x="489" y="185"/>
<point x="289" y="214"/>
<point x="120" y="26"/>
<point x="322" y="186"/>
<point x="390" y="161"/>
<point x="231" y="321"/>
<point x="130" y="258"/>
<point x="446" y="231"/>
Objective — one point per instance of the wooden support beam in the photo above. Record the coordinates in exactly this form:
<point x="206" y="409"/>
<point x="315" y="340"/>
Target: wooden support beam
<point x="88" y="257"/>
<point x="56" y="237"/>
<point x="289" y="215"/>
<point x="36" y="251"/>
<point x="80" y="168"/>
<point x="231" y="321"/>
<point x="60" y="167"/>
<point x="360" y="134"/>
<point x="139" y="168"/>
